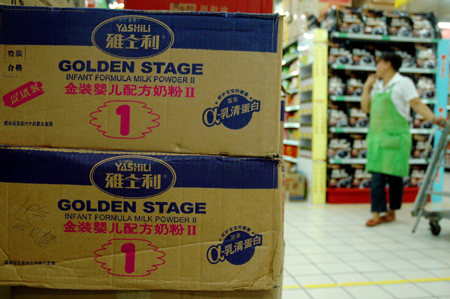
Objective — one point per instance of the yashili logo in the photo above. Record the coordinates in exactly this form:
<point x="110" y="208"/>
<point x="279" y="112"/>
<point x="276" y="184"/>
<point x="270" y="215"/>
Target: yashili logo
<point x="133" y="177"/>
<point x="133" y="37"/>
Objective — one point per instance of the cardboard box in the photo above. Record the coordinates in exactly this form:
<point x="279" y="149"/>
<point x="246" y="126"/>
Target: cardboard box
<point x="251" y="6"/>
<point x="204" y="83"/>
<point x="35" y="293"/>
<point x="131" y="221"/>
<point x="52" y="3"/>
<point x="296" y="186"/>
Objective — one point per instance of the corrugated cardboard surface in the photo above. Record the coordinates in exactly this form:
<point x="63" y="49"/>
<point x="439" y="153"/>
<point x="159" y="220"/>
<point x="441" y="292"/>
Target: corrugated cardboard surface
<point x="35" y="293"/>
<point x="253" y="6"/>
<point x="52" y="3"/>
<point x="138" y="221"/>
<point x="204" y="83"/>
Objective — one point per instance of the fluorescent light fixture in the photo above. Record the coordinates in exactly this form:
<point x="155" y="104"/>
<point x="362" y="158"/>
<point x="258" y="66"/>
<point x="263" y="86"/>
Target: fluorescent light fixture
<point x="444" y="25"/>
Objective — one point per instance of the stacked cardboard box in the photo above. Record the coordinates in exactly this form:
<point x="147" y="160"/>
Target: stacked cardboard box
<point x="140" y="152"/>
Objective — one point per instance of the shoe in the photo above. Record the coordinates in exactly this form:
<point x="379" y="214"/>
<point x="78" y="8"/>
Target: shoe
<point x="372" y="222"/>
<point x="387" y="218"/>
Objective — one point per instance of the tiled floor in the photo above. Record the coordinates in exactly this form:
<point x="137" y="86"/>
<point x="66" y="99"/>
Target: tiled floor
<point x="331" y="254"/>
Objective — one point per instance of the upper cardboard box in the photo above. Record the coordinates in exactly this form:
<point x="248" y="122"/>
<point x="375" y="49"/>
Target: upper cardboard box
<point x="206" y="83"/>
<point x="78" y="219"/>
<point x="253" y="6"/>
<point x="53" y="3"/>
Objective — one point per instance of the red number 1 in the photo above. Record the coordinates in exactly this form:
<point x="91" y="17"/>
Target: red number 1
<point x="130" y="259"/>
<point x="124" y="112"/>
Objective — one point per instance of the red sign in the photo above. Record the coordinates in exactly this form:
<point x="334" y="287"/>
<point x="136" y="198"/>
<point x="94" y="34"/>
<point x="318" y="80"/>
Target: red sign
<point x="250" y="6"/>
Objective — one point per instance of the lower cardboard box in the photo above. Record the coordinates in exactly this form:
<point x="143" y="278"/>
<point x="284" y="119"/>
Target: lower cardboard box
<point x="99" y="220"/>
<point x="37" y="293"/>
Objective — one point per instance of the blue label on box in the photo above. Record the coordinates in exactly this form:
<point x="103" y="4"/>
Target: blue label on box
<point x="133" y="37"/>
<point x="133" y="176"/>
<point x="110" y="29"/>
<point x="234" y="111"/>
<point x="237" y="248"/>
<point x="106" y="170"/>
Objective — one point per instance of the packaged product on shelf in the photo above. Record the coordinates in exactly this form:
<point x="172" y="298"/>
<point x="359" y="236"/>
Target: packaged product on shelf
<point x="358" y="118"/>
<point x="420" y="150"/>
<point x="354" y="85"/>
<point x="292" y="50"/>
<point x="426" y="56"/>
<point x="359" y="148"/>
<point x="292" y="117"/>
<point x="426" y="87"/>
<point x="294" y="100"/>
<point x="339" y="54"/>
<point x="141" y="80"/>
<point x="362" y="57"/>
<point x="293" y="83"/>
<point x="339" y="148"/>
<point x="339" y="176"/>
<point x="290" y="150"/>
<point x="408" y="60"/>
<point x="116" y="220"/>
<point x="329" y="21"/>
<point x="294" y="66"/>
<point x="336" y="86"/>
<point x="337" y="117"/>
<point x="312" y="22"/>
<point x="374" y="22"/>
<point x="350" y="20"/>
<point x="424" y="25"/>
<point x="420" y="122"/>
<point x="399" y="24"/>
<point x="417" y="175"/>
<point x="361" y="178"/>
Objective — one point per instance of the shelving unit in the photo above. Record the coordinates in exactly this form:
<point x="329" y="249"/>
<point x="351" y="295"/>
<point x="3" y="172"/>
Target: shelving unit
<point x="347" y="195"/>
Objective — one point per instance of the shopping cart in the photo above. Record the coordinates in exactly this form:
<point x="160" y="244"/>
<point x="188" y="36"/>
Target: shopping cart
<point x="426" y="189"/>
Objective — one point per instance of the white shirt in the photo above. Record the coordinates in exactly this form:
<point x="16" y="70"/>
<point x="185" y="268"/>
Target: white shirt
<point x="403" y="92"/>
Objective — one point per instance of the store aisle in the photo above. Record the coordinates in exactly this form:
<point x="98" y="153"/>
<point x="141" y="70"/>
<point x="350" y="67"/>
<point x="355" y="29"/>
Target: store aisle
<point x="330" y="253"/>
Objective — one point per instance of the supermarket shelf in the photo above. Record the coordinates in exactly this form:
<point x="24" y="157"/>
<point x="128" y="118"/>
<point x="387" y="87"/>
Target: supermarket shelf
<point x="345" y="98"/>
<point x="365" y="130"/>
<point x="364" y="161"/>
<point x="362" y="195"/>
<point x="307" y="129"/>
<point x="292" y="125"/>
<point x="305" y="88"/>
<point x="305" y="135"/>
<point x="383" y="38"/>
<point x="369" y="68"/>
<point x="305" y="153"/>
<point x="306" y="112"/>
<point x="289" y="75"/>
<point x="308" y="65"/>
<point x="291" y="142"/>
<point x="348" y="130"/>
<point x="292" y="108"/>
<point x="358" y="99"/>
<point x="293" y="91"/>
<point x="289" y="60"/>
<point x="290" y="43"/>
<point x="290" y="159"/>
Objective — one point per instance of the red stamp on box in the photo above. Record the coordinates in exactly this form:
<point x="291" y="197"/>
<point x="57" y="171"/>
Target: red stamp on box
<point x="23" y="94"/>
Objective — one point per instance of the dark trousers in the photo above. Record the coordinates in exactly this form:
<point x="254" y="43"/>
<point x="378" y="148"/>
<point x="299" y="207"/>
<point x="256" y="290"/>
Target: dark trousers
<point x="378" y="192"/>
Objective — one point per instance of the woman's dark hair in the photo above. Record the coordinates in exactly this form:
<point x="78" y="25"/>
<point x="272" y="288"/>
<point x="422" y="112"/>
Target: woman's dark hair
<point x="395" y="60"/>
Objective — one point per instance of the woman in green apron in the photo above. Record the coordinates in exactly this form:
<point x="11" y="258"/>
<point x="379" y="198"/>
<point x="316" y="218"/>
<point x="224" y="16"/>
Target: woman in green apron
<point x="388" y="97"/>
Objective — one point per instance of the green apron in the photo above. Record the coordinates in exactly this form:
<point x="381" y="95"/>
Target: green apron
<point x="389" y="139"/>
